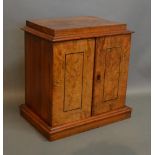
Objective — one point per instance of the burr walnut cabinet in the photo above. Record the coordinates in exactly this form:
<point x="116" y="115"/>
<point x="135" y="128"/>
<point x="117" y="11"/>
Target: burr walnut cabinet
<point x="76" y="74"/>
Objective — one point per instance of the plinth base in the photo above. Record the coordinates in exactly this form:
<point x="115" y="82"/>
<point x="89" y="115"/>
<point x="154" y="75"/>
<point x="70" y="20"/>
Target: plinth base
<point x="74" y="127"/>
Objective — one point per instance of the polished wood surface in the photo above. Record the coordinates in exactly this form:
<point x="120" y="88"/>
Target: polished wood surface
<point x="54" y="133"/>
<point x="74" y="28"/>
<point x="70" y="23"/>
<point x="76" y="73"/>
<point x="111" y="72"/>
<point x="37" y="66"/>
<point x="73" y="63"/>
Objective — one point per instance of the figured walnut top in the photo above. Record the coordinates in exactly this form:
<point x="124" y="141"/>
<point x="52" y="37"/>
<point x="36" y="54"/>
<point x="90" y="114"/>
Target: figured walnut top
<point x="75" y="26"/>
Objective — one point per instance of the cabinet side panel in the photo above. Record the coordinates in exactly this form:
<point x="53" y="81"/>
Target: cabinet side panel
<point x="37" y="68"/>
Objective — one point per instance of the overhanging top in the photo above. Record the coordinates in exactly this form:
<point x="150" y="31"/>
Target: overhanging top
<point x="74" y="28"/>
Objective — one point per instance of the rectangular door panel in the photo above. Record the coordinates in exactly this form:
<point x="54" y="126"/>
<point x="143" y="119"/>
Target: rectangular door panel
<point x="73" y="63"/>
<point x="110" y="73"/>
<point x="73" y="81"/>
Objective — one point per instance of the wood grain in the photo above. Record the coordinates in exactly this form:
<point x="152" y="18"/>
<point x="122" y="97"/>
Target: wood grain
<point x="70" y="25"/>
<point x="74" y="28"/>
<point x="76" y="36"/>
<point x="113" y="71"/>
<point x="76" y="73"/>
<point x="74" y="127"/>
<point x="72" y="80"/>
<point x="37" y="55"/>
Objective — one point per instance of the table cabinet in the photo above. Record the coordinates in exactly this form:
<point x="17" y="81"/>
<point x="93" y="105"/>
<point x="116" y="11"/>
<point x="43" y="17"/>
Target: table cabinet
<point x="76" y="73"/>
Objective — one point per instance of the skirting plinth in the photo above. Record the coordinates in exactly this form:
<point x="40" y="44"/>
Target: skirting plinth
<point x="53" y="133"/>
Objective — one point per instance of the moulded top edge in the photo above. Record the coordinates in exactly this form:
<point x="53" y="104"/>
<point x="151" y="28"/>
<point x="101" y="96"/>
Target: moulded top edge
<point x="72" y="24"/>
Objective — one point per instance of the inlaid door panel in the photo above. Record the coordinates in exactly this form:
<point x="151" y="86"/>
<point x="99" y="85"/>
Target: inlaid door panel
<point x="73" y="63"/>
<point x="73" y="82"/>
<point x="110" y="73"/>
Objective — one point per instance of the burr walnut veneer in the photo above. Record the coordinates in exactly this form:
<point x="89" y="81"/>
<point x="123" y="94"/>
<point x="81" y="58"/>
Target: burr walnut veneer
<point x="76" y="74"/>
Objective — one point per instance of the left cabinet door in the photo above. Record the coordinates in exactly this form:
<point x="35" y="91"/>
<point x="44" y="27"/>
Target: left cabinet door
<point x="72" y="78"/>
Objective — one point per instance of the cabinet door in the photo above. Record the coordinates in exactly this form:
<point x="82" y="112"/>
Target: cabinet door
<point x="73" y="63"/>
<point x="111" y="71"/>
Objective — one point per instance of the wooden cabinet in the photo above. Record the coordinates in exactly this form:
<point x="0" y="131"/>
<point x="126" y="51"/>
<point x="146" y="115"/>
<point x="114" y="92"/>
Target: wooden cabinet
<point x="76" y="74"/>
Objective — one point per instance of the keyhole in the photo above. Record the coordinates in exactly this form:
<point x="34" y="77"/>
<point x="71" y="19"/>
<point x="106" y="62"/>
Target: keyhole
<point x="98" y="77"/>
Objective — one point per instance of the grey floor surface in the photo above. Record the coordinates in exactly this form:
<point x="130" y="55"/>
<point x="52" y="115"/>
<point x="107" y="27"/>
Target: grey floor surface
<point x="128" y="137"/>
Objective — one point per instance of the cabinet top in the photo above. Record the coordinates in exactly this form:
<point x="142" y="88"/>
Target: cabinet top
<point x="74" y="27"/>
